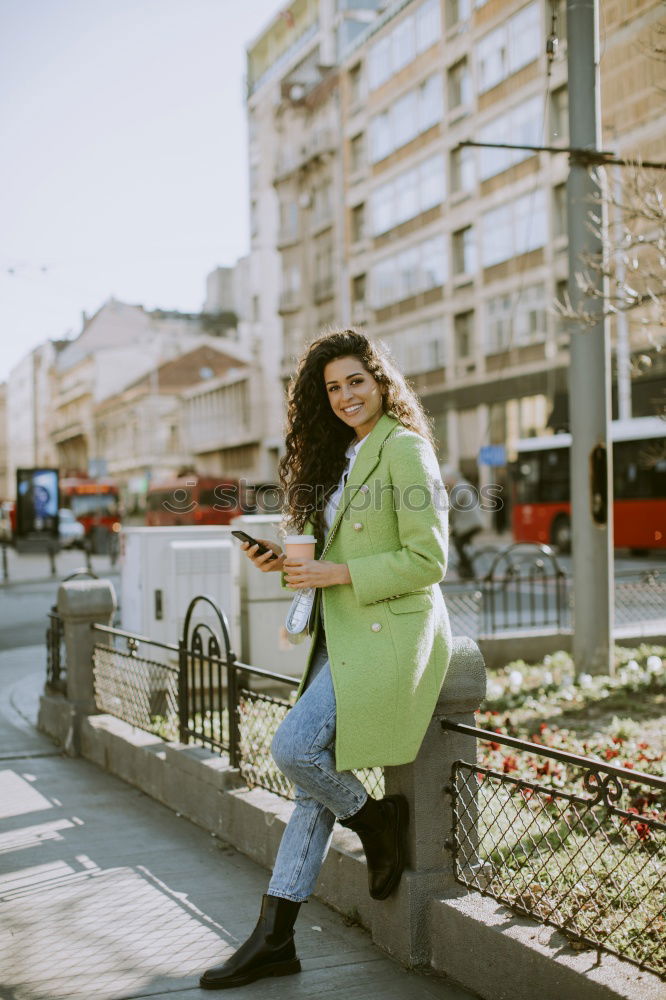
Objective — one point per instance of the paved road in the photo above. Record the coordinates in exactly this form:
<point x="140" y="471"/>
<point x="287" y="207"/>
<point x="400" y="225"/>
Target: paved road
<point x="107" y="895"/>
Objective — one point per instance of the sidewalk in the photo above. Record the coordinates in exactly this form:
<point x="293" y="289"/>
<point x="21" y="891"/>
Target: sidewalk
<point x="106" y="894"/>
<point x="35" y="567"/>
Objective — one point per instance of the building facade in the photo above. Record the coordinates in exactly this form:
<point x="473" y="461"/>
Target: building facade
<point x="29" y="412"/>
<point x="454" y="255"/>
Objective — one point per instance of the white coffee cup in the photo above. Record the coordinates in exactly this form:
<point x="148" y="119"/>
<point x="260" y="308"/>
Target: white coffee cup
<point x="300" y="546"/>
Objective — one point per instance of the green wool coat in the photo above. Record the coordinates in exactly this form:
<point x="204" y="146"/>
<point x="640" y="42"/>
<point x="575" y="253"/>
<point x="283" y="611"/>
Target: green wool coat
<point x="388" y="632"/>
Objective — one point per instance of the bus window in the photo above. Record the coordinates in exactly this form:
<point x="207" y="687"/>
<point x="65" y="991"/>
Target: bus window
<point x="639" y="470"/>
<point x="554" y="475"/>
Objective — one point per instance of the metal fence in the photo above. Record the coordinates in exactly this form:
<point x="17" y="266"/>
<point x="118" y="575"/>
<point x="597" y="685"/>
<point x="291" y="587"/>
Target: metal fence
<point x="583" y="850"/>
<point x="201" y="693"/>
<point x="56" y="678"/>
<point x="141" y="690"/>
<point x="523" y="587"/>
<point x="640" y="597"/>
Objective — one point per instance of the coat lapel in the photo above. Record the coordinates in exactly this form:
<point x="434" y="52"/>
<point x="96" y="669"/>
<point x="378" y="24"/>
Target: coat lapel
<point x="367" y="460"/>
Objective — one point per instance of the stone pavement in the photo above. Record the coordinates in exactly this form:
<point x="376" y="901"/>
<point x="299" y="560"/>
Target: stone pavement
<point x="106" y="894"/>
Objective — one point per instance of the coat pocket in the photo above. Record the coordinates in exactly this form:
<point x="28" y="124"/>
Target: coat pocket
<point x="410" y="602"/>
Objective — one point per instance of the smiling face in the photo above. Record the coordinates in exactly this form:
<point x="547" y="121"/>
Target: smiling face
<point x="354" y="394"/>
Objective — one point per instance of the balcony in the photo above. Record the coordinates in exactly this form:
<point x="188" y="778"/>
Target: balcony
<point x="324" y="289"/>
<point x="290" y="301"/>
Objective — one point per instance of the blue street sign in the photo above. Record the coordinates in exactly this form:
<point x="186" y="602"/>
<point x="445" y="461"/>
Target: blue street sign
<point x="492" y="454"/>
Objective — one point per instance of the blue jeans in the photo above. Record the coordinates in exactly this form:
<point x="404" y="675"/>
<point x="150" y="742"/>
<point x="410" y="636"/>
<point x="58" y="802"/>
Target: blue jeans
<point x="304" y="749"/>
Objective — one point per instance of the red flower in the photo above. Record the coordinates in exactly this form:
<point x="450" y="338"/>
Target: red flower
<point x="610" y="753"/>
<point x="510" y="764"/>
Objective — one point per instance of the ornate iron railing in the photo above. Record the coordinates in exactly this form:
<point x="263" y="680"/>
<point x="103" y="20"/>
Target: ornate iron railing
<point x="588" y="858"/>
<point x="141" y="690"/>
<point x="201" y="693"/>
<point x="524" y="587"/>
<point x="55" y="653"/>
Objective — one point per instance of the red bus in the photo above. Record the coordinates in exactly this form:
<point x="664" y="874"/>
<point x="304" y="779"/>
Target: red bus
<point x="541" y="510"/>
<point x="194" y="499"/>
<point x="96" y="504"/>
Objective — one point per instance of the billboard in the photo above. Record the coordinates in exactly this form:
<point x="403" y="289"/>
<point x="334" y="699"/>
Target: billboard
<point x="37" y="502"/>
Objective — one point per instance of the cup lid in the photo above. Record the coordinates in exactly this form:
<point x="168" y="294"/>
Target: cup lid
<point x="299" y="539"/>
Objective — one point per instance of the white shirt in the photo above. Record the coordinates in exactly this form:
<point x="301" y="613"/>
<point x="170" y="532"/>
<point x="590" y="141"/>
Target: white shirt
<point x="332" y="504"/>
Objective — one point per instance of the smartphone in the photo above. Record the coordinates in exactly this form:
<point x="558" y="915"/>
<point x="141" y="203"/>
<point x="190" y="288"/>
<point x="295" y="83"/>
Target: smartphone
<point x="244" y="537"/>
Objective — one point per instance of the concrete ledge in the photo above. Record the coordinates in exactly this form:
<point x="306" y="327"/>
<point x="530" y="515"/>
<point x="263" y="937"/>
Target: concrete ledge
<point x="475" y="941"/>
<point x="57" y="718"/>
<point x="534" y="644"/>
<point x="483" y="946"/>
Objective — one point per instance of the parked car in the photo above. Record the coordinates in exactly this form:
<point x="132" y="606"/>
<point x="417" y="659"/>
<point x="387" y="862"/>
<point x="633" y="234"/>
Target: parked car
<point x="70" y="531"/>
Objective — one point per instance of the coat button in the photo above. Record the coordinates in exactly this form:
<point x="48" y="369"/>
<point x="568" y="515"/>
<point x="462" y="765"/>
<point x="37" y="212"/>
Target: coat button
<point x="364" y="488"/>
<point x="376" y="627"/>
<point x="358" y="526"/>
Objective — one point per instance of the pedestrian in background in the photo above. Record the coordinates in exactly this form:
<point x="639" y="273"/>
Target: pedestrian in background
<point x="465" y="518"/>
<point x="359" y="473"/>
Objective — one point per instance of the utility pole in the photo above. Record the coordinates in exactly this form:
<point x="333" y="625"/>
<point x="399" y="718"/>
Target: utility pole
<point x="589" y="371"/>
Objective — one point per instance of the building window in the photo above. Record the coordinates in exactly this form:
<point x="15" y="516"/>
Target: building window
<point x="560" y="210"/>
<point x="459" y="85"/>
<point x="407" y="195"/>
<point x="514" y="228"/>
<point x="509" y="47"/>
<point x="464" y="251"/>
<point x="322" y="211"/>
<point x="515" y="319"/>
<point x="416" y="269"/>
<point x="559" y="115"/>
<point x="400" y="46"/>
<point x="356" y="152"/>
<point x="463" y="331"/>
<point x="521" y="125"/>
<point x="420" y="348"/>
<point x="358" y="222"/>
<point x="457" y="11"/>
<point x="413" y="113"/>
<point x="358" y="289"/>
<point x="356" y="83"/>
<point x="288" y="220"/>
<point x="531" y="315"/>
<point x="462" y="169"/>
<point x="498" y="323"/>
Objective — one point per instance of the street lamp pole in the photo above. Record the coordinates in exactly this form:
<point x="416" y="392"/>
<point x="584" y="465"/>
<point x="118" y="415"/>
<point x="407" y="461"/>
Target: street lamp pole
<point x="589" y="371"/>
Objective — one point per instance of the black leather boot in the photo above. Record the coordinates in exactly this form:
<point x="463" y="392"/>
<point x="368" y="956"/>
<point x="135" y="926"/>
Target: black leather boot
<point x="382" y="824"/>
<point x="269" y="951"/>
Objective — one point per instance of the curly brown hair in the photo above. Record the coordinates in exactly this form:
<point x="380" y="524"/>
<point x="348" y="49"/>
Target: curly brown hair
<point x="316" y="439"/>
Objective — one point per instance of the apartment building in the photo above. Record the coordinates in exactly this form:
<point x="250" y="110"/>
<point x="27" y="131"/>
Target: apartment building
<point x="117" y="346"/>
<point x="139" y="431"/>
<point x="29" y="412"/>
<point x="454" y="255"/>
<point x="297" y="277"/>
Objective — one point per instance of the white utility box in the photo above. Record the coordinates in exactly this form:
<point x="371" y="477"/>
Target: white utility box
<point x="264" y="606"/>
<point x="162" y="569"/>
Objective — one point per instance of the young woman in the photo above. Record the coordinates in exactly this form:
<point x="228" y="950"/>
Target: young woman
<point x="359" y="472"/>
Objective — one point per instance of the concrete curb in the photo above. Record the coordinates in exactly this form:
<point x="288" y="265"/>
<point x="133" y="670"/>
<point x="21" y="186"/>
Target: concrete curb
<point x="502" y="956"/>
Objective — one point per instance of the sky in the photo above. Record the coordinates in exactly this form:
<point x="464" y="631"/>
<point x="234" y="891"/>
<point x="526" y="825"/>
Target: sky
<point x="124" y="156"/>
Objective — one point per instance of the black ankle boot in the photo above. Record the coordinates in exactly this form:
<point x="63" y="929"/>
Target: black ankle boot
<point x="269" y="951"/>
<point x="381" y="824"/>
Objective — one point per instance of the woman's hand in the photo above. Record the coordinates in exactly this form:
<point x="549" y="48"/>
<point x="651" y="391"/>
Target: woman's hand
<point x="302" y="573"/>
<point x="265" y="563"/>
